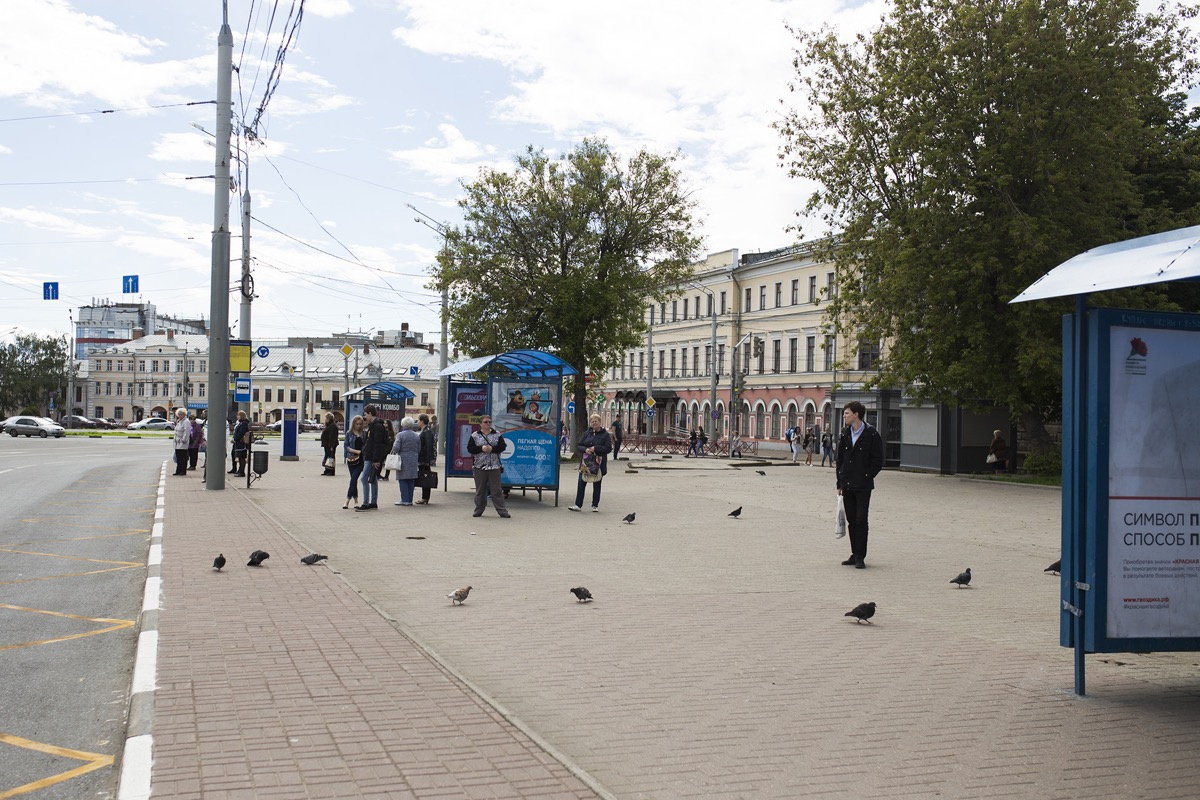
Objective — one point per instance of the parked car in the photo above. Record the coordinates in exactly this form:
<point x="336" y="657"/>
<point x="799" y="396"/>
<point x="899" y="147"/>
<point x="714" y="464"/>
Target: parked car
<point x="151" y="424"/>
<point x="76" y="421"/>
<point x="33" y="426"/>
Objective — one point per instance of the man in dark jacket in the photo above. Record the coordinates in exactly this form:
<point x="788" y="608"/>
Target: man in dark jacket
<point x="859" y="460"/>
<point x="329" y="441"/>
<point x="374" y="452"/>
<point x="426" y="457"/>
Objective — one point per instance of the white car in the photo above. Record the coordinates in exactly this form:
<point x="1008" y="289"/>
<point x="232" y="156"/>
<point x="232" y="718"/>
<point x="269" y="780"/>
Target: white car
<point x="151" y="424"/>
<point x="33" y="426"/>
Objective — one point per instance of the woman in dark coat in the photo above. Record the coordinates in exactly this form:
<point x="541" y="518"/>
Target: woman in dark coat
<point x="998" y="450"/>
<point x="329" y="441"/>
<point x="426" y="456"/>
<point x="595" y="443"/>
<point x="240" y="431"/>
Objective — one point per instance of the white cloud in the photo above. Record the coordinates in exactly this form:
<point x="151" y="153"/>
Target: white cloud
<point x="451" y="157"/>
<point x="330" y="9"/>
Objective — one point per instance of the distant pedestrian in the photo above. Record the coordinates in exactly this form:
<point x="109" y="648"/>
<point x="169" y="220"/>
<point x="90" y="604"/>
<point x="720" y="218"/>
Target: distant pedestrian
<point x="809" y="444"/>
<point x="241" y="443"/>
<point x="329" y="442"/>
<point x="426" y="457"/>
<point x="618" y="434"/>
<point x="826" y="448"/>
<point x="197" y="441"/>
<point x="183" y="438"/>
<point x="693" y="443"/>
<point x="374" y="451"/>
<point x="390" y="435"/>
<point x="408" y="447"/>
<point x="859" y="460"/>
<point x="354" y="460"/>
<point x="997" y="457"/>
<point x="703" y="436"/>
<point x="486" y="445"/>
<point x="793" y="440"/>
<point x="595" y="444"/>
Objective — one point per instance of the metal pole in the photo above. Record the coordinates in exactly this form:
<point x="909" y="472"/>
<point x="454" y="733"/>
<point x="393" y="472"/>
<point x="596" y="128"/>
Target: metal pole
<point x="218" y="341"/>
<point x="303" y="385"/>
<point x="650" y="371"/>
<point x="247" y="289"/>
<point x="444" y="382"/>
<point x="712" y="368"/>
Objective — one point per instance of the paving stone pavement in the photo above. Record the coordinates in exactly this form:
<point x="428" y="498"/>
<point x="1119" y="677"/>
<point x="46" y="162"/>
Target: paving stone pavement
<point x="715" y="661"/>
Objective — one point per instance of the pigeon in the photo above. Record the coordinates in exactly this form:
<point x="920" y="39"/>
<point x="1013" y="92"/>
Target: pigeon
<point x="257" y="557"/>
<point x="736" y="513"/>
<point x="963" y="578"/>
<point x="761" y="472"/>
<point x="582" y="595"/>
<point x="219" y="562"/>
<point x="629" y="518"/>
<point x="459" y="595"/>
<point x="1056" y="567"/>
<point x="862" y="613"/>
<point x="313" y="558"/>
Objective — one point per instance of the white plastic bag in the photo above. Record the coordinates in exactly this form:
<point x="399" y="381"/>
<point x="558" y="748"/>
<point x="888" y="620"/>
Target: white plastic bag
<point x="839" y="528"/>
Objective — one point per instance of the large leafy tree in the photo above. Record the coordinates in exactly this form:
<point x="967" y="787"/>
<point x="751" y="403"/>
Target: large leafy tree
<point x="31" y="369"/>
<point x="563" y="254"/>
<point x="962" y="150"/>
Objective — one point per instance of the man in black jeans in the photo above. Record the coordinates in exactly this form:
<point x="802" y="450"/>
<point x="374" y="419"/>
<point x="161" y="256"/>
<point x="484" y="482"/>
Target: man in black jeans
<point x="859" y="460"/>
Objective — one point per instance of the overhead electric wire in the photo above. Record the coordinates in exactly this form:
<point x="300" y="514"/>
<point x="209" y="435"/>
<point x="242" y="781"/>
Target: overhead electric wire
<point x="109" y="111"/>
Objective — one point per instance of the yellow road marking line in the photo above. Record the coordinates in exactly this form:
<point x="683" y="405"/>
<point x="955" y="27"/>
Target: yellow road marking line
<point x="93" y="761"/>
<point x="133" y="532"/>
<point x="119" y="624"/>
<point x="60" y="524"/>
<point x="71" y="558"/>
<point x="68" y="575"/>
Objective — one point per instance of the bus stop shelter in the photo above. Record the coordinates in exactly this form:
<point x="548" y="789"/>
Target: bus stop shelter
<point x="522" y="391"/>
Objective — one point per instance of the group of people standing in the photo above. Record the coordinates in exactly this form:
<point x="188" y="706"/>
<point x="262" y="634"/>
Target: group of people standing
<point x="805" y="440"/>
<point x="189" y="440"/>
<point x="367" y="447"/>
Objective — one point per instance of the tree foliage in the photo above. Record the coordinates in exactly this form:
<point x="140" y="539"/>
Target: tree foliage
<point x="965" y="149"/>
<point x="31" y="369"/>
<point x="564" y="254"/>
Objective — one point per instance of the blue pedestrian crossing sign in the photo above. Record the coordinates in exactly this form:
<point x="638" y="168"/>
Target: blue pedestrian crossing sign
<point x="50" y="290"/>
<point x="129" y="284"/>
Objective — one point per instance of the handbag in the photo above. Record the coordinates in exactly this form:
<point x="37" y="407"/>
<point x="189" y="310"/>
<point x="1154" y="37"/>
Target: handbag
<point x="427" y="480"/>
<point x="590" y="474"/>
<point x="328" y="463"/>
<point x="393" y="462"/>
<point x="839" y="525"/>
<point x="991" y="459"/>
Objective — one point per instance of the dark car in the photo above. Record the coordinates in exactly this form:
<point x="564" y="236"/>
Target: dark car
<point x="76" y="421"/>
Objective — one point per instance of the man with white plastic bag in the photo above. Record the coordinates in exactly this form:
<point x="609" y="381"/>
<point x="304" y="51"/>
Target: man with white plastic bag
<point x="839" y="525"/>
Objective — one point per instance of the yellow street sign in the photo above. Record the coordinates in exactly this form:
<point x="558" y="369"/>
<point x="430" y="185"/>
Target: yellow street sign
<point x="649" y="402"/>
<point x="347" y="350"/>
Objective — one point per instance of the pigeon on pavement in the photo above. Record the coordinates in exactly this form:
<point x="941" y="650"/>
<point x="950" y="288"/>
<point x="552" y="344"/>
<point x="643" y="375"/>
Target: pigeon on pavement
<point x="761" y="472"/>
<point x="312" y="558"/>
<point x="628" y="518"/>
<point x="257" y="557"/>
<point x="582" y="595"/>
<point x="862" y="613"/>
<point x="219" y="562"/>
<point x="459" y="595"/>
<point x="736" y="513"/>
<point x="1056" y="567"/>
<point x="963" y="578"/>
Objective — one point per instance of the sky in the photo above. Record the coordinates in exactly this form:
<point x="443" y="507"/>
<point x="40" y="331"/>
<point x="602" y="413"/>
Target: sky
<point x="106" y="123"/>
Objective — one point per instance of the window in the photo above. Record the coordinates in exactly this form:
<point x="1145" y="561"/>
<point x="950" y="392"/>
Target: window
<point x="812" y="288"/>
<point x="796" y="292"/>
<point x="99" y="411"/>
<point x="775" y="423"/>
<point x="141" y="390"/>
<point x="641" y="365"/>
<point x="710" y="304"/>
<point x="675" y="310"/>
<point x="685" y="308"/>
<point x="336" y="399"/>
<point x="108" y="387"/>
<point x="697" y="306"/>
<point x="868" y="355"/>
<point x="203" y="365"/>
<point x="722" y="302"/>
<point x="201" y="387"/>
<point x="762" y="297"/>
<point x="154" y="388"/>
<point x="760" y="422"/>
<point x="191" y="365"/>
<point x="662" y="360"/>
<point x="108" y="365"/>
<point x="662" y="312"/>
<point x="154" y="365"/>
<point x="651" y="315"/>
<point x="97" y="392"/>
<point x="141" y="366"/>
<point x="695" y="361"/>
<point x="810" y="354"/>
<point x="424" y="397"/>
<point x="120" y="389"/>
<point x="254" y="394"/>
<point x="830" y="285"/>
<point x="720" y="359"/>
<point x="791" y="417"/>
<point x="118" y="413"/>
<point x="776" y="362"/>
<point x="278" y="395"/>
<point x="623" y="367"/>
<point x="746" y="305"/>
<point x="424" y="402"/>
<point x="830" y="353"/>
<point x="778" y="294"/>
<point x="120" y="366"/>
<point x="672" y="362"/>
<point x="793" y="347"/>
<point x="746" y="358"/>
<point x="708" y="365"/>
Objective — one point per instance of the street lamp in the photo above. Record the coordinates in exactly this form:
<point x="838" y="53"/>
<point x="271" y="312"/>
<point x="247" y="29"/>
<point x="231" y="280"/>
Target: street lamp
<point x="443" y="382"/>
<point x="733" y="384"/>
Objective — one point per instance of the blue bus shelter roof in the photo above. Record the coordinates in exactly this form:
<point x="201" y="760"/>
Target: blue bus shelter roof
<point x="515" y="363"/>
<point x="389" y="390"/>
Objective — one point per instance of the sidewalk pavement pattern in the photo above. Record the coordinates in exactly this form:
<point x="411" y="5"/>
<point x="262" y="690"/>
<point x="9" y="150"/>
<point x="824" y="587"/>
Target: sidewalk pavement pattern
<point x="715" y="661"/>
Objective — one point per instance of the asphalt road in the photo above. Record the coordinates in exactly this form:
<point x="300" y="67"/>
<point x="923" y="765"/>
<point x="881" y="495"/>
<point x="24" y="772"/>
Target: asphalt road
<point x="75" y="520"/>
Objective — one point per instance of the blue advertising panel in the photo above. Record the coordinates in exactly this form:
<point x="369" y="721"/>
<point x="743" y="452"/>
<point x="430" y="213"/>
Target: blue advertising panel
<point x="1136" y="511"/>
<point x="290" y="429"/>
<point x="527" y="412"/>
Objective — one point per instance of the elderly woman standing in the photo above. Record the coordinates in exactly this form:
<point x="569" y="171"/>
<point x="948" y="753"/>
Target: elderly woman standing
<point x="998" y="453"/>
<point x="408" y="445"/>
<point x="183" y="437"/>
<point x="594" y="444"/>
<point x="196" y="442"/>
<point x="329" y="442"/>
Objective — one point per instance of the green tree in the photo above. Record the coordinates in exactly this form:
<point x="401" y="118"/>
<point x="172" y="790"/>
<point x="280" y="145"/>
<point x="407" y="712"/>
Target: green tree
<point x="564" y="254"/>
<point x="31" y="369"/>
<point x="962" y="150"/>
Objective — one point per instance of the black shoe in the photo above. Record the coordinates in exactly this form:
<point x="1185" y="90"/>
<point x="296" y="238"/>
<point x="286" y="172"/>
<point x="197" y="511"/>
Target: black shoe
<point x="858" y="564"/>
<point x="477" y="514"/>
<point x="232" y="472"/>
<point x="850" y="562"/>
<point x="239" y="474"/>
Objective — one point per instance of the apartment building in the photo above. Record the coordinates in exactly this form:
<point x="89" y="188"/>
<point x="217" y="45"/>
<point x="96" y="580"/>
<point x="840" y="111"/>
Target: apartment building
<point x="749" y="332"/>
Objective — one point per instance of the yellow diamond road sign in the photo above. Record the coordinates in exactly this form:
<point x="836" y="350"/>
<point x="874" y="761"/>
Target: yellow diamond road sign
<point x="347" y="350"/>
<point x="649" y="402"/>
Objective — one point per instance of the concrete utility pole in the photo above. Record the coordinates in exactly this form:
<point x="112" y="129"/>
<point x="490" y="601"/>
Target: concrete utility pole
<point x="218" y="338"/>
<point x="247" y="281"/>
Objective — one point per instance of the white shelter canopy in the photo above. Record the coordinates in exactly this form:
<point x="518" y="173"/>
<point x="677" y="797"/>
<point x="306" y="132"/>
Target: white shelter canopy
<point x="1161" y="257"/>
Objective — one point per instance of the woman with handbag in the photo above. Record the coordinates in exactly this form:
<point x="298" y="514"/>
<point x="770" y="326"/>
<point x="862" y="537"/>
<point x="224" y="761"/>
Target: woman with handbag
<point x="329" y="441"/>
<point x="407" y="446"/>
<point x="354" y="461"/>
<point x="241" y="442"/>
<point x="997" y="457"/>
<point x="426" y="458"/>
<point x="593" y="448"/>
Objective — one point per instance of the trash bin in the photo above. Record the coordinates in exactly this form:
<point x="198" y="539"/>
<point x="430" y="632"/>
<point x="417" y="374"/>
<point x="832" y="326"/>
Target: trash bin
<point x="260" y="462"/>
